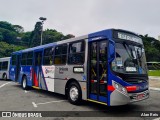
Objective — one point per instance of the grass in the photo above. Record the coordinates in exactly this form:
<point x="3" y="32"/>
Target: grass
<point x="154" y="73"/>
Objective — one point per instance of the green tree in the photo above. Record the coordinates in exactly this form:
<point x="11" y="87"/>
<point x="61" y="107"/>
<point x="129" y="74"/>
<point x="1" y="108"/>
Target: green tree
<point x="35" y="35"/>
<point x="152" y="48"/>
<point x="6" y="49"/>
<point x="8" y="36"/>
<point x="51" y="35"/>
<point x="6" y="25"/>
<point x="7" y="32"/>
<point x="26" y="38"/>
<point x="18" y="28"/>
<point x="1" y="36"/>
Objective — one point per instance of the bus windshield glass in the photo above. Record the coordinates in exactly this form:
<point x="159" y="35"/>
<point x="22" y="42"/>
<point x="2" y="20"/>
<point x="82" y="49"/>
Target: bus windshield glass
<point x="129" y="58"/>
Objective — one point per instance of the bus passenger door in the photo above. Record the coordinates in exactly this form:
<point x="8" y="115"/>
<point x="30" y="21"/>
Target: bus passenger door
<point x="37" y="68"/>
<point x="18" y="68"/>
<point x="98" y="71"/>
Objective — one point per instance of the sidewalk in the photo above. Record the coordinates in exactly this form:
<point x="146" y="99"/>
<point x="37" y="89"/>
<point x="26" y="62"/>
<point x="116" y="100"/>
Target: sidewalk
<point x="154" y="82"/>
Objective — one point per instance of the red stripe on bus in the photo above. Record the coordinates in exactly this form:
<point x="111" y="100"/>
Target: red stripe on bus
<point x="131" y="88"/>
<point x="110" y="88"/>
<point x="35" y="79"/>
<point x="101" y="81"/>
<point x="92" y="81"/>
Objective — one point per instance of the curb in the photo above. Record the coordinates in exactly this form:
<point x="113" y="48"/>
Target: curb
<point x="152" y="88"/>
<point x="154" y="78"/>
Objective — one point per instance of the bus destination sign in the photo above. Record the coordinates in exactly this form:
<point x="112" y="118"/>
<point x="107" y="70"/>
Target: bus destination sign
<point x="127" y="36"/>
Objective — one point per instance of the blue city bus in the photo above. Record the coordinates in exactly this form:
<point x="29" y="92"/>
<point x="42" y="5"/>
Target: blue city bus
<point x="106" y="67"/>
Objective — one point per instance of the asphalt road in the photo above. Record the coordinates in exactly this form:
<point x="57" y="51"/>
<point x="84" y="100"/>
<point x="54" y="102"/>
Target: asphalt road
<point x="14" y="98"/>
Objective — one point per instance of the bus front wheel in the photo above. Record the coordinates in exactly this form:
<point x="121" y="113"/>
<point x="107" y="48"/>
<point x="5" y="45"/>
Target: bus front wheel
<point x="74" y="93"/>
<point x="24" y="83"/>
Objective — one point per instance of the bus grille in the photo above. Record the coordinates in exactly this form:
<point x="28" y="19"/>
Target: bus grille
<point x="136" y="81"/>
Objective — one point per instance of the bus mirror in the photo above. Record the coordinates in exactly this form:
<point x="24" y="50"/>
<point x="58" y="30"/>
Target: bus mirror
<point x="139" y="52"/>
<point x="111" y="51"/>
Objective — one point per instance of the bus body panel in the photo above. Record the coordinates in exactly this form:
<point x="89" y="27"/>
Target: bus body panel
<point x="118" y="98"/>
<point x="56" y="76"/>
<point x="12" y="73"/>
<point x="6" y="70"/>
<point x="26" y="70"/>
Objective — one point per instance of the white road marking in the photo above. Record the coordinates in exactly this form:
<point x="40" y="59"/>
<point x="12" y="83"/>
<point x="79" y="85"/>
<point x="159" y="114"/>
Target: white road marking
<point x="36" y="104"/>
<point x="157" y="118"/>
<point x="26" y="91"/>
<point x="152" y="88"/>
<point x="4" y="84"/>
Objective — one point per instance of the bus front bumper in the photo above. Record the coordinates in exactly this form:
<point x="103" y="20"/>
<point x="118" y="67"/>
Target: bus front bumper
<point x="118" y="98"/>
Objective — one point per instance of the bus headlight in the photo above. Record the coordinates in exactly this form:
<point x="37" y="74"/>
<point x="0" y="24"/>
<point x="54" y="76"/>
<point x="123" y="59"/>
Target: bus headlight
<point x="119" y="87"/>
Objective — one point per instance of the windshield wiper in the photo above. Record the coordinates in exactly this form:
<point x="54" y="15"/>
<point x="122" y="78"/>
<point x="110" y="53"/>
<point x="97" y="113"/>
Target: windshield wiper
<point x="129" y="54"/>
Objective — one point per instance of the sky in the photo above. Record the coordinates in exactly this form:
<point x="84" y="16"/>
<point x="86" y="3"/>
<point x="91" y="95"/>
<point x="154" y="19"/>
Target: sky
<point x="80" y="17"/>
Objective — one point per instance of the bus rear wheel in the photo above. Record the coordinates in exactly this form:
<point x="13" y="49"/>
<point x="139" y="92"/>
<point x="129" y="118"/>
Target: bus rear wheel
<point x="74" y="93"/>
<point x="24" y="83"/>
<point x="4" y="76"/>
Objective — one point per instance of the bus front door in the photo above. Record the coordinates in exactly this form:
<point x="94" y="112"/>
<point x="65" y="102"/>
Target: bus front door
<point x="98" y="71"/>
<point x="37" y="68"/>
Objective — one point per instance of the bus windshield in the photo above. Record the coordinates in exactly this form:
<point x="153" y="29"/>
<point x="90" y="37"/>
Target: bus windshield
<point x="129" y="58"/>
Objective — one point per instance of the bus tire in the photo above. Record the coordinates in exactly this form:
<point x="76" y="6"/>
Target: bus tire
<point x="74" y="93"/>
<point x="24" y="83"/>
<point x="4" y="76"/>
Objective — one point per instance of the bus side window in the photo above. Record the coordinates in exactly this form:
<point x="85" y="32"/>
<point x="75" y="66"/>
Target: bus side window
<point x="29" y="58"/>
<point x="5" y="65"/>
<point x="13" y="59"/>
<point x="60" y="54"/>
<point x="0" y="65"/>
<point x="24" y="59"/>
<point x="76" y="53"/>
<point x="48" y="56"/>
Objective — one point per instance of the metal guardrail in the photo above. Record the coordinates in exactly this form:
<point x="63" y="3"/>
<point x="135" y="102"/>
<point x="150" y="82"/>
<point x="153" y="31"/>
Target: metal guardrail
<point x="153" y="65"/>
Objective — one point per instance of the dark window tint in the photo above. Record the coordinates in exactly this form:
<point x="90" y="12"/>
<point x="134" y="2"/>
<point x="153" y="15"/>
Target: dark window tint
<point x="76" y="53"/>
<point x="0" y="65"/>
<point x="102" y="66"/>
<point x="24" y="59"/>
<point x="38" y="58"/>
<point x="29" y="58"/>
<point x="5" y="65"/>
<point x="58" y="50"/>
<point x="60" y="54"/>
<point x="30" y="55"/>
<point x="48" y="56"/>
<point x="64" y="49"/>
<point x="13" y="59"/>
<point x="93" y="70"/>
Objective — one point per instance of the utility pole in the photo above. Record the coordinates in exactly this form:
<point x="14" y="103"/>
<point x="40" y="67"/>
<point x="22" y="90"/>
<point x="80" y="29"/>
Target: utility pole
<point x="42" y="21"/>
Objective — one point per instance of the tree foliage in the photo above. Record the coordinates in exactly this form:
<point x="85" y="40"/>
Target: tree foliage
<point x="152" y="48"/>
<point x="6" y="49"/>
<point x="18" y="28"/>
<point x="13" y="38"/>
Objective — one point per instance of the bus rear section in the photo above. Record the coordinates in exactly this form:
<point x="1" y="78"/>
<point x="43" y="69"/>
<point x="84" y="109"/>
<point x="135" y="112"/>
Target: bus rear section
<point x="4" y="68"/>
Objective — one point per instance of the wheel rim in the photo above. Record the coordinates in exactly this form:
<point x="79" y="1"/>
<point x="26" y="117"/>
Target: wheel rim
<point x="73" y="93"/>
<point x="24" y="83"/>
<point x="5" y="77"/>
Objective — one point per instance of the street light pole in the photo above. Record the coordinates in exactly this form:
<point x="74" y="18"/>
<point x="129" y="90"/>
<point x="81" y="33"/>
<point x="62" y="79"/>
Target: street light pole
<point x="42" y="21"/>
<point x="41" y="34"/>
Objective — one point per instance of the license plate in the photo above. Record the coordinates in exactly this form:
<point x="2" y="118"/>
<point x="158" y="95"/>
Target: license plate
<point x="140" y="96"/>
